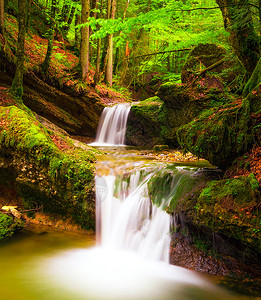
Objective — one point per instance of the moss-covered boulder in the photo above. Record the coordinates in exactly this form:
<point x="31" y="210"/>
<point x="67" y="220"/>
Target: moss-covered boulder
<point x="220" y="134"/>
<point x="78" y="114"/>
<point x="145" y="123"/>
<point x="202" y="56"/>
<point x="47" y="170"/>
<point x="8" y="226"/>
<point x="227" y="73"/>
<point x="167" y="186"/>
<point x="230" y="207"/>
<point x="176" y="189"/>
<point x="160" y="148"/>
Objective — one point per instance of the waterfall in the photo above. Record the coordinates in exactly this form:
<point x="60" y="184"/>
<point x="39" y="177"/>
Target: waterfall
<point x="130" y="260"/>
<point x="112" y="125"/>
<point x="128" y="220"/>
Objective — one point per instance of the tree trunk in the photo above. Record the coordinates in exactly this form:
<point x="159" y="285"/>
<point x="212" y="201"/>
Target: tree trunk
<point x="93" y="13"/>
<point x="238" y="22"/>
<point x="28" y="14"/>
<point x="77" y="39"/>
<point x="97" y="69"/>
<point x="259" y="16"/>
<point x="109" y="69"/>
<point x="47" y="60"/>
<point x="17" y="84"/>
<point x="254" y="80"/>
<point x="69" y="22"/>
<point x="104" y="54"/>
<point x="97" y="74"/>
<point x="116" y="60"/>
<point x="65" y="14"/>
<point x="84" y="49"/>
<point x="65" y="11"/>
<point x="2" y="16"/>
<point x="69" y="19"/>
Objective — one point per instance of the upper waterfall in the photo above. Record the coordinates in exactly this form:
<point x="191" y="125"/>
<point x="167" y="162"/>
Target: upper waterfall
<point x="112" y="125"/>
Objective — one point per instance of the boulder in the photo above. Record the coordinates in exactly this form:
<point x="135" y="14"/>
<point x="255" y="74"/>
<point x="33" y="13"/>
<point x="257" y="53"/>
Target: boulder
<point x="47" y="169"/>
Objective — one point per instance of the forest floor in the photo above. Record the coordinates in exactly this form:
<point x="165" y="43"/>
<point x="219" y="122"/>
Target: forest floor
<point x="62" y="72"/>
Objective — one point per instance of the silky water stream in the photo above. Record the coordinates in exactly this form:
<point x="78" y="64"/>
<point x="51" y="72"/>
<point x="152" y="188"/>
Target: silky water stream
<point x="130" y="258"/>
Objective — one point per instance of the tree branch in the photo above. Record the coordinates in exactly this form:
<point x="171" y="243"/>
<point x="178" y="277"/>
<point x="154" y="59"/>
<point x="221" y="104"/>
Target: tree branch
<point x="163" y="52"/>
<point x="203" y="72"/>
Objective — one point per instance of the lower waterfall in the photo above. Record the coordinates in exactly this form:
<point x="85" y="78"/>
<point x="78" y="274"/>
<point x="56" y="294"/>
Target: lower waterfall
<point x="128" y="220"/>
<point x="130" y="260"/>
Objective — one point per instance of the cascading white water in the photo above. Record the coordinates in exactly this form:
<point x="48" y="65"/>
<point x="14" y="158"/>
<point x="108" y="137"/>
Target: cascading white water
<point x="130" y="260"/>
<point x="130" y="221"/>
<point x="112" y="125"/>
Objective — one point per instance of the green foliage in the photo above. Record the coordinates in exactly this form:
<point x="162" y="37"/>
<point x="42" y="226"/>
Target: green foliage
<point x="8" y="226"/>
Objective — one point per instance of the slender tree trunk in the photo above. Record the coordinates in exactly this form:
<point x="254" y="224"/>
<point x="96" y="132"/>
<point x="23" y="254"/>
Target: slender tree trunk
<point x="47" y="60"/>
<point x="116" y="60"/>
<point x="97" y="69"/>
<point x="28" y="14"/>
<point x="77" y="31"/>
<point x="238" y="22"/>
<point x="65" y="14"/>
<point x="260" y="17"/>
<point x="2" y="16"/>
<point x="104" y="54"/>
<point x="97" y="74"/>
<point x="69" y="22"/>
<point x="109" y="69"/>
<point x="65" y="11"/>
<point x="17" y="84"/>
<point x="85" y="45"/>
<point x="69" y="19"/>
<point x="93" y="14"/>
<point x="254" y="81"/>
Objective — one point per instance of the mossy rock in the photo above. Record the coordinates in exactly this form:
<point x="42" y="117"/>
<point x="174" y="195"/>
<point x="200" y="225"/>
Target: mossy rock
<point x="202" y="56"/>
<point x="159" y="148"/>
<point x="227" y="75"/>
<point x="59" y="177"/>
<point x="220" y="134"/>
<point x="254" y="81"/>
<point x="174" y="95"/>
<point x="168" y="187"/>
<point x="144" y="123"/>
<point x="230" y="207"/>
<point x="8" y="226"/>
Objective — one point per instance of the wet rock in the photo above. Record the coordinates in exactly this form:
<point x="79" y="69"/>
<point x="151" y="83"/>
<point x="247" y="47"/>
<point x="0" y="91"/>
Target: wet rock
<point x="185" y="254"/>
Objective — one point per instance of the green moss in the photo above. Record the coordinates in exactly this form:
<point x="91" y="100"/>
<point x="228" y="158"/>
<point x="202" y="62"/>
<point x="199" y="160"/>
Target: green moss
<point x="159" y="148"/>
<point x="186" y="185"/>
<point x="219" y="135"/>
<point x="168" y="186"/>
<point x="8" y="226"/>
<point x="61" y="181"/>
<point x="148" y="109"/>
<point x="230" y="206"/>
<point x="254" y="80"/>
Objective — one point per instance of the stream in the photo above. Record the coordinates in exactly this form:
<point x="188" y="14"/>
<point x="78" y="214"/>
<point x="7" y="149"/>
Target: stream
<point x="130" y="258"/>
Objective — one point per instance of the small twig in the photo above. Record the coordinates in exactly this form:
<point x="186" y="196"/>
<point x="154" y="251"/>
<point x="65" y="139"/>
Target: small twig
<point x="33" y="209"/>
<point x="163" y="52"/>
